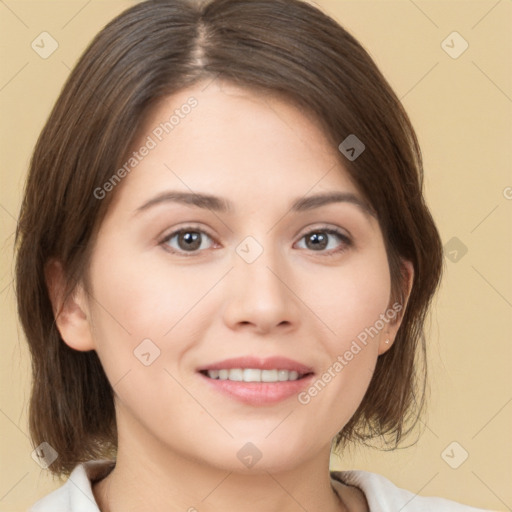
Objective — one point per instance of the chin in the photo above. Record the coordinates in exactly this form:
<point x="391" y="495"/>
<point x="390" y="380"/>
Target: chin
<point x="257" y="455"/>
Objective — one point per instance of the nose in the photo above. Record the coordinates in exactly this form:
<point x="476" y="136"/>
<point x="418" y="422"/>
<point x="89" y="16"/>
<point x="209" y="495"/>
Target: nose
<point x="260" y="296"/>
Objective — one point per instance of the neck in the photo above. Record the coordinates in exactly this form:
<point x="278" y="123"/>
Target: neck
<point x="139" y="483"/>
<point x="148" y="476"/>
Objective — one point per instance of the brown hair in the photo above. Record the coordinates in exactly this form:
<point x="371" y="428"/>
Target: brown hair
<point x="150" y="51"/>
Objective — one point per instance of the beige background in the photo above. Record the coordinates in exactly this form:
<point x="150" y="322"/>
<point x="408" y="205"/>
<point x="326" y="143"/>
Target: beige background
<point x="462" y="110"/>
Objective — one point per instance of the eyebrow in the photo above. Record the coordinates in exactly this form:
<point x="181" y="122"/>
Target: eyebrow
<point x="222" y="205"/>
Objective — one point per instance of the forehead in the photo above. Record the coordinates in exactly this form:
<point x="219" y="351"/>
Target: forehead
<point x="221" y="139"/>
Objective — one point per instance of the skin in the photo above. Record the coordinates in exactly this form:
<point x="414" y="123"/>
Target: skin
<point x="178" y="438"/>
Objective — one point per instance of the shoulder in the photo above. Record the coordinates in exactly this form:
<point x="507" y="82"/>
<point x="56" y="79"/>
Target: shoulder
<point x="76" y="494"/>
<point x="384" y="496"/>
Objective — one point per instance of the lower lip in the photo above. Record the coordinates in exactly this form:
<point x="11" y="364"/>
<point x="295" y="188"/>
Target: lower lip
<point x="259" y="393"/>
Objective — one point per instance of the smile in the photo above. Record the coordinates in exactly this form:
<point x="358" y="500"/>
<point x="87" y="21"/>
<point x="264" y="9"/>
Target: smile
<point x="254" y="375"/>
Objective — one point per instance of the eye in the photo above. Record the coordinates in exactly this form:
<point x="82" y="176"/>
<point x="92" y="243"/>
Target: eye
<point x="190" y="240"/>
<point x="187" y="240"/>
<point x="320" y="239"/>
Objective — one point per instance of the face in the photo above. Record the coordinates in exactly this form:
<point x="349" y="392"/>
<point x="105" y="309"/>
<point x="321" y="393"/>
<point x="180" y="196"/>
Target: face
<point x="186" y="291"/>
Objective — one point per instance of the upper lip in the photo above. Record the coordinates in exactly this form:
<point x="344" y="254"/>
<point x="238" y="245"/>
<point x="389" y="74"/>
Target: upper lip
<point x="267" y="363"/>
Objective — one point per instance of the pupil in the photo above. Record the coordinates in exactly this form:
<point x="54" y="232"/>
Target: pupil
<point x="192" y="240"/>
<point x="318" y="240"/>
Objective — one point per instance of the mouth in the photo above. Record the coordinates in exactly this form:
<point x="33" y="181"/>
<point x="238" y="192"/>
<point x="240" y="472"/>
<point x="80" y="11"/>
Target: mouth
<point x="254" y="375"/>
<point x="255" y="381"/>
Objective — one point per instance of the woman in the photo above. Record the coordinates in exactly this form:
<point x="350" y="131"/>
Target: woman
<point x="224" y="265"/>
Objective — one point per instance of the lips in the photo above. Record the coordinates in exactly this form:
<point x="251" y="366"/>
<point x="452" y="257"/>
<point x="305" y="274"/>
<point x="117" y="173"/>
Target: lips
<point x="269" y="363"/>
<point x="252" y="381"/>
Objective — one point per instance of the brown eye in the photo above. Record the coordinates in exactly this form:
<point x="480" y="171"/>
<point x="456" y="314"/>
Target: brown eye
<point x="321" y="239"/>
<point x="187" y="240"/>
<point x="316" y="240"/>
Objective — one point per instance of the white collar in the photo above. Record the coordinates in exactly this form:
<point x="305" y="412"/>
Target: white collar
<point x="382" y="495"/>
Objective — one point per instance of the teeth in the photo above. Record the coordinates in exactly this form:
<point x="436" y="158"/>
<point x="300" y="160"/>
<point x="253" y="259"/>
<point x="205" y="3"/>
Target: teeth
<point x="253" y="375"/>
<point x="270" y="375"/>
<point x="282" y="375"/>
<point x="250" y="375"/>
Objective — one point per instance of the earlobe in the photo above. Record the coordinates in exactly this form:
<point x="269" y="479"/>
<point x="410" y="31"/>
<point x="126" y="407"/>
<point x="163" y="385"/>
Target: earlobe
<point x="389" y="334"/>
<point x="69" y="309"/>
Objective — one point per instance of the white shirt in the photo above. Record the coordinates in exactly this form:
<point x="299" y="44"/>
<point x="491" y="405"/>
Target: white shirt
<point x="382" y="495"/>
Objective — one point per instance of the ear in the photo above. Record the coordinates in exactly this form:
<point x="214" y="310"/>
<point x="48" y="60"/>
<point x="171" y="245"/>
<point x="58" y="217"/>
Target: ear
<point x="70" y="310"/>
<point x="388" y="334"/>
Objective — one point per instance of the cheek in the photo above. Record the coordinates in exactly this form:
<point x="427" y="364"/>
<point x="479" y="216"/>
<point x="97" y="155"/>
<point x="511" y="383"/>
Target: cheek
<point x="350" y="299"/>
<point x="146" y="317"/>
<point x="351" y="304"/>
<point x="147" y="296"/>
<point x="134" y="301"/>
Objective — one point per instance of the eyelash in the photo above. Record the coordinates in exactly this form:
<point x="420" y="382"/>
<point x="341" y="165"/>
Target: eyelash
<point x="346" y="241"/>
